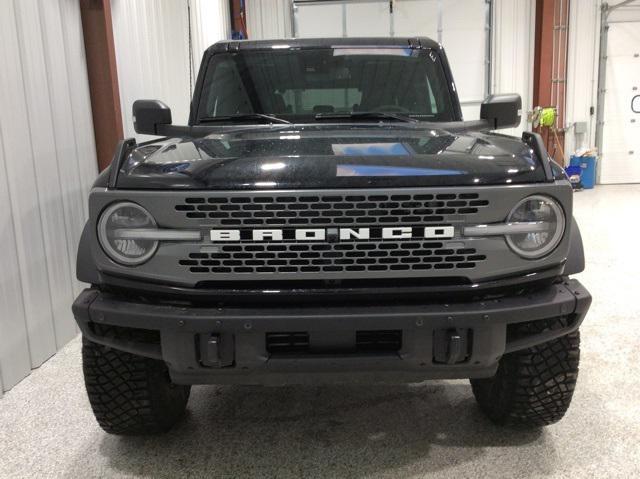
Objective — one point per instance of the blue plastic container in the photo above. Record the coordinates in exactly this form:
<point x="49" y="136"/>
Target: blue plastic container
<point x="574" y="172"/>
<point x="588" y="167"/>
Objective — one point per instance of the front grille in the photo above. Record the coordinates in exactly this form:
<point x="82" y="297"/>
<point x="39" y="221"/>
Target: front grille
<point x="369" y="256"/>
<point x="349" y="244"/>
<point x="371" y="209"/>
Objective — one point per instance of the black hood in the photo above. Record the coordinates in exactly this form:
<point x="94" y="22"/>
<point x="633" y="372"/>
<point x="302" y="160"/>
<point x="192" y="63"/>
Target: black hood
<point x="330" y="156"/>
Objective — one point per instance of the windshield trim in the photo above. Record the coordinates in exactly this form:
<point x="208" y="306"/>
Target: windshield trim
<point x="453" y="99"/>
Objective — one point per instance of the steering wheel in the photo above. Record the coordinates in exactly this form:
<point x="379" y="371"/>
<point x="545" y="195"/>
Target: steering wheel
<point x="391" y="109"/>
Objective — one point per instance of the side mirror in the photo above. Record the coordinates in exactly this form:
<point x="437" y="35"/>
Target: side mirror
<point x="149" y="115"/>
<point x="502" y="111"/>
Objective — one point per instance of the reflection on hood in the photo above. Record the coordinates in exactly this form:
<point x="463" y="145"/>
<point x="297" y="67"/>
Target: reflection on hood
<point x="330" y="156"/>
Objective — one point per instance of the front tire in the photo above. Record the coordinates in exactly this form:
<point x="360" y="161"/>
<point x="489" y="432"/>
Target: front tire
<point x="532" y="387"/>
<point x="129" y="394"/>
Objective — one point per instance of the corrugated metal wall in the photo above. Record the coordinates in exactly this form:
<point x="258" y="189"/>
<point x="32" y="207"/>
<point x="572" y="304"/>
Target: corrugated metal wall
<point x="269" y="19"/>
<point x="152" y="43"/>
<point x="210" y="22"/>
<point x="582" y="71"/>
<point x="512" y="53"/>
<point x="47" y="150"/>
<point x="47" y="164"/>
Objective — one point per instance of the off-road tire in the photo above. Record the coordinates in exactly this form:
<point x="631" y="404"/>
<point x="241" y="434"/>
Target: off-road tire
<point x="129" y="394"/>
<point x="532" y="387"/>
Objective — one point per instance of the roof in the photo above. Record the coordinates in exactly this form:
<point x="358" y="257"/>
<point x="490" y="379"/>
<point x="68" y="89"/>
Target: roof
<point x="412" y="42"/>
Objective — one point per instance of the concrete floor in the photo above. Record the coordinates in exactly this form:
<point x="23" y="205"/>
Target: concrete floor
<point x="426" y="430"/>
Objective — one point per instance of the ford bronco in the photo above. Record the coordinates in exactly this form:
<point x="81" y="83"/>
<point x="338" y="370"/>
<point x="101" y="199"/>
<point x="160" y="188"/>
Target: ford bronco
<point x="328" y="216"/>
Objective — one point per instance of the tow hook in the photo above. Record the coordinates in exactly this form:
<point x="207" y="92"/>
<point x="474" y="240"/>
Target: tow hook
<point x="451" y="346"/>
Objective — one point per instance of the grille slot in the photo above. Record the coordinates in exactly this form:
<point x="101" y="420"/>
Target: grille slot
<point x="378" y="209"/>
<point x="370" y="256"/>
<point x="379" y="341"/>
<point x="283" y="343"/>
<point x="382" y="341"/>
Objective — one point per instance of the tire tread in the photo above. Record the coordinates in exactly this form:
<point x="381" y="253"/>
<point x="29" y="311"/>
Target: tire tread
<point x="129" y="394"/>
<point x="532" y="387"/>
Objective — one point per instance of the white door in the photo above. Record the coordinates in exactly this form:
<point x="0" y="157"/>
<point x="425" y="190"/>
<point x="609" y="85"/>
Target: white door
<point x="367" y="19"/>
<point x="318" y="20"/>
<point x="620" y="158"/>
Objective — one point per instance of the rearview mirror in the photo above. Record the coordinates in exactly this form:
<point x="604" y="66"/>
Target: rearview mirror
<point x="148" y="115"/>
<point x="502" y="111"/>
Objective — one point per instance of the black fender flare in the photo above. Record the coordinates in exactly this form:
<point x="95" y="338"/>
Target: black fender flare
<point x="575" y="259"/>
<point x="86" y="270"/>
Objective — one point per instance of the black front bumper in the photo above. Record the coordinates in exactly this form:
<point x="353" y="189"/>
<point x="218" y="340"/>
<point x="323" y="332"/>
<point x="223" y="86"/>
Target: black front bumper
<point x="278" y="345"/>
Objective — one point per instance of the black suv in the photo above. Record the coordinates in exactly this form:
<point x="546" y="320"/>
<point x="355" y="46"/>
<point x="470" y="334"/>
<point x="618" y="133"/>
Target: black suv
<point x="328" y="216"/>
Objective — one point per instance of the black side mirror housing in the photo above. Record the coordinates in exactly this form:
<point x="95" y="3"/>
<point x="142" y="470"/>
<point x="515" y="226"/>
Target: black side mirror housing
<point x="149" y="115"/>
<point x="502" y="111"/>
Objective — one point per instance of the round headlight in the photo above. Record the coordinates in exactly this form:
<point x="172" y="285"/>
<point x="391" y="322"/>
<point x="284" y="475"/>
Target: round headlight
<point x="548" y="216"/>
<point x="117" y="233"/>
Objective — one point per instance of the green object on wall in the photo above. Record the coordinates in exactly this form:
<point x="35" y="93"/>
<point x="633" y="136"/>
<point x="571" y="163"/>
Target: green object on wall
<point x="548" y="117"/>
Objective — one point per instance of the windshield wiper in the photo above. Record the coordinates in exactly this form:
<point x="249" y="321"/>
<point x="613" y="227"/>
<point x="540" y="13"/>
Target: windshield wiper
<point x="243" y="117"/>
<point x="366" y="115"/>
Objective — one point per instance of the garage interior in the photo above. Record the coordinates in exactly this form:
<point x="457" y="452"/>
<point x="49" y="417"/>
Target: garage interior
<point x="72" y="70"/>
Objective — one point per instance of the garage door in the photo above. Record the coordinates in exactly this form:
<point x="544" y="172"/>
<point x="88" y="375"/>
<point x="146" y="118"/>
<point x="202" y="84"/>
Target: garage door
<point x="620" y="161"/>
<point x="462" y="26"/>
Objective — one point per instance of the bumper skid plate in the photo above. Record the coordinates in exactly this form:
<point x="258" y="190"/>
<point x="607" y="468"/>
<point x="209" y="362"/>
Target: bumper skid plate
<point x="284" y="345"/>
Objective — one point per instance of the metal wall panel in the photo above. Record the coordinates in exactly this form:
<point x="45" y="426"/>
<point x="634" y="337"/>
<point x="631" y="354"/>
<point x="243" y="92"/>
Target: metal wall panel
<point x="512" y="54"/>
<point x="582" y="72"/>
<point x="20" y="164"/>
<point x="210" y="22"/>
<point x="47" y="162"/>
<point x="152" y="54"/>
<point x="48" y="173"/>
<point x="15" y="362"/>
<point x="268" y="19"/>
<point x="152" y="45"/>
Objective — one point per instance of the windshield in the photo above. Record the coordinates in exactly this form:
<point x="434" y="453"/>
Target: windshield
<point x="312" y="84"/>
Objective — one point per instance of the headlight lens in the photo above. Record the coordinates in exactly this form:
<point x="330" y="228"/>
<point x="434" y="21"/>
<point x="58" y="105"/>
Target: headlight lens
<point x="118" y="220"/>
<point x="537" y="209"/>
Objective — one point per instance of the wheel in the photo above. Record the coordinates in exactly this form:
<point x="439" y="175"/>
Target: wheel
<point x="532" y="387"/>
<point x="130" y="394"/>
